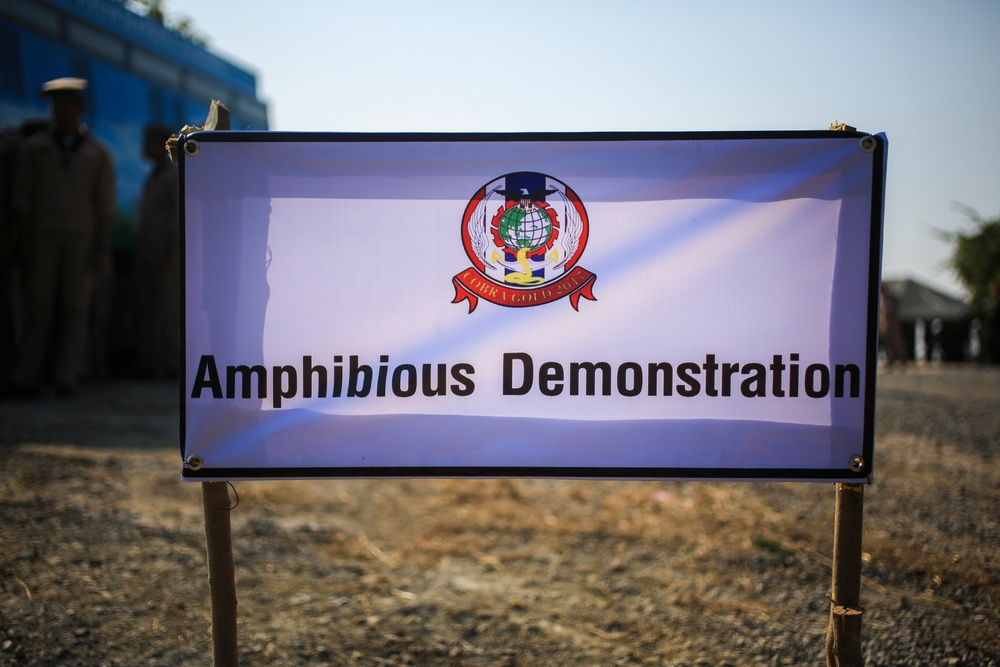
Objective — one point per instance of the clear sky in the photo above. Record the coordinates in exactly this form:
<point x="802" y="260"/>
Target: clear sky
<point x="927" y="73"/>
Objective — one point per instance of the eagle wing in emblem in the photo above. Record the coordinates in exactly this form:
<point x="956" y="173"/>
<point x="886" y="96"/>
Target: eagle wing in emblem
<point x="572" y="228"/>
<point x="477" y="232"/>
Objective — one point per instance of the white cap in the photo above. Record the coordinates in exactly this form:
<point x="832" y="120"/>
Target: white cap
<point x="64" y="84"/>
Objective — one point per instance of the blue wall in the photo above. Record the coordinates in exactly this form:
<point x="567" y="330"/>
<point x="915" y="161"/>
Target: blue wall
<point x="120" y="101"/>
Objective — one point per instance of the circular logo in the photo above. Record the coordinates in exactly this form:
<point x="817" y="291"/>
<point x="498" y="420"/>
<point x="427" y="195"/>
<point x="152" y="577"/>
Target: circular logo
<point x="524" y="233"/>
<point x="524" y="229"/>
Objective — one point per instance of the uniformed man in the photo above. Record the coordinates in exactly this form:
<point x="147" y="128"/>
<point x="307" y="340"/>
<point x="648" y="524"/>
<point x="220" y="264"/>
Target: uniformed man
<point x="157" y="307"/>
<point x="63" y="205"/>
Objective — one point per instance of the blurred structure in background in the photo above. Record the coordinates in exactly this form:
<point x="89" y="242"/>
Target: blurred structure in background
<point x="931" y="326"/>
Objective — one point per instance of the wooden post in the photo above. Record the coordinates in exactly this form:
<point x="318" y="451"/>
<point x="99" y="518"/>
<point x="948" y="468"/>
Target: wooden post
<point x="218" y="529"/>
<point x="221" y="573"/>
<point x="843" y="639"/>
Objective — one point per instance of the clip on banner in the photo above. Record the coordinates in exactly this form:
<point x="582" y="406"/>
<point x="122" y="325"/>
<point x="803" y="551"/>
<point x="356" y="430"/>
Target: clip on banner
<point x="600" y="305"/>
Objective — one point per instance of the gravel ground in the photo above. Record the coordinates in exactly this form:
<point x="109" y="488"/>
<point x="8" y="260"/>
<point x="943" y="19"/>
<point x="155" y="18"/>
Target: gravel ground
<point x="102" y="552"/>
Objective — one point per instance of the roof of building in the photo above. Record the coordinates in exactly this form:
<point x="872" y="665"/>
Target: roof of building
<point x="918" y="301"/>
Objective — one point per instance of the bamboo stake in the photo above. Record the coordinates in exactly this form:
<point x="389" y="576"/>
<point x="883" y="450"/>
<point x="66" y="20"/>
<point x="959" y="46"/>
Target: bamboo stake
<point x="218" y="529"/>
<point x="221" y="573"/>
<point x="843" y="639"/>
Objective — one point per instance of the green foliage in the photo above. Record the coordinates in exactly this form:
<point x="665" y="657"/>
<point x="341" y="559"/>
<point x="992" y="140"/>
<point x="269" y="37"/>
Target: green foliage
<point x="156" y="10"/>
<point x="975" y="259"/>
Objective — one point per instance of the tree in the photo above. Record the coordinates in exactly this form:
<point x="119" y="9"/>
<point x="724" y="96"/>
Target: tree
<point x="976" y="258"/>
<point x="156" y="11"/>
<point x="975" y="261"/>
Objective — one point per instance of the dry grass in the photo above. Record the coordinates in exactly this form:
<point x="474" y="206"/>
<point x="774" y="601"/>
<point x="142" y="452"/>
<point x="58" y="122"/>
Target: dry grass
<point x="102" y="562"/>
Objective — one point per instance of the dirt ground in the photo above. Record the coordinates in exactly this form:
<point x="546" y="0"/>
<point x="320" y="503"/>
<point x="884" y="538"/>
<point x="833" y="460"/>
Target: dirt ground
<point x="102" y="552"/>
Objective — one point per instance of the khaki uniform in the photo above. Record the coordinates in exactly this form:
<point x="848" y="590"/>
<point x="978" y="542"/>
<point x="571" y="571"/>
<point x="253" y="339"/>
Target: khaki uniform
<point x="64" y="198"/>
<point x="157" y="273"/>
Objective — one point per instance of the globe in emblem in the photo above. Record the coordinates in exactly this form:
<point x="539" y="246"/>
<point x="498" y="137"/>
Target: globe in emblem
<point x="525" y="228"/>
<point x="523" y="231"/>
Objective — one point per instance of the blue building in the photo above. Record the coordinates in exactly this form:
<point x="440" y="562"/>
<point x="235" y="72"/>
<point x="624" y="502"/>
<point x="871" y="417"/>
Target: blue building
<point x="139" y="71"/>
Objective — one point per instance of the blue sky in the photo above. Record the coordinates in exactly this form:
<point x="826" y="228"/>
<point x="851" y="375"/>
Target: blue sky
<point x="925" y="73"/>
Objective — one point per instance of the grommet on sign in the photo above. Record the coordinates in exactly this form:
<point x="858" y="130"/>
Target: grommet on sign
<point x="191" y="147"/>
<point x="857" y="464"/>
<point x="194" y="462"/>
<point x="868" y="144"/>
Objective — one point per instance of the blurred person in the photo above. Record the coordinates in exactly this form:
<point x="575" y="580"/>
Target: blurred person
<point x="157" y="270"/>
<point x="11" y="301"/>
<point x="96" y="364"/>
<point x="889" y="329"/>
<point x="63" y="204"/>
<point x="8" y="267"/>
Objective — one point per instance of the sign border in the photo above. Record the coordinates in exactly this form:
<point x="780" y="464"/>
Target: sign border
<point x="877" y="145"/>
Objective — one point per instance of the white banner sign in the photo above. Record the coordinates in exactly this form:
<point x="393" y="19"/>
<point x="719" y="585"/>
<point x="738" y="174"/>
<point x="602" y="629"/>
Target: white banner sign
<point x="597" y="305"/>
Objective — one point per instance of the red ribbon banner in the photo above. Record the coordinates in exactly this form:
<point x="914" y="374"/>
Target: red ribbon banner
<point x="472" y="285"/>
